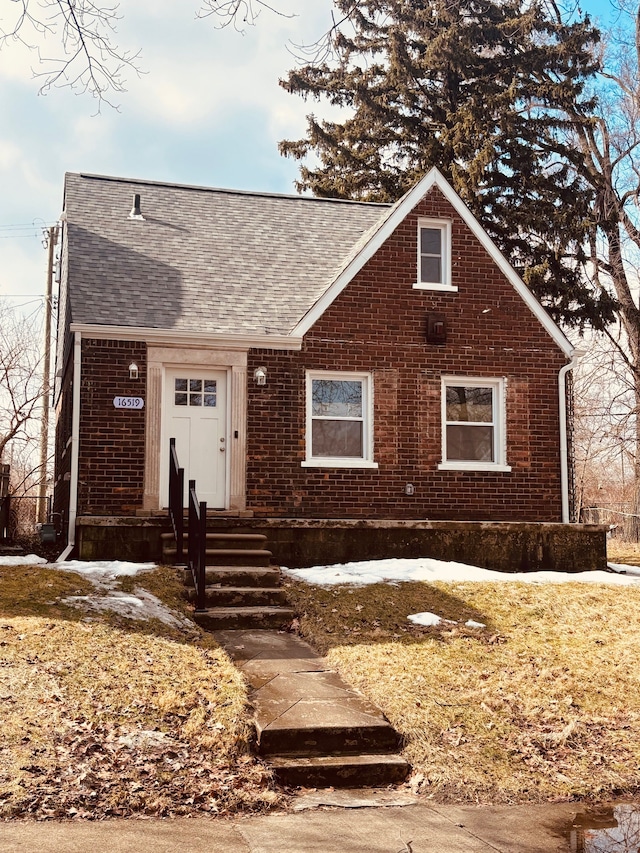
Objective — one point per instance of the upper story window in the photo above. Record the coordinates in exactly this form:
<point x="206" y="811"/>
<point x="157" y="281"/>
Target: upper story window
<point x="434" y="255"/>
<point x="339" y="420"/>
<point x="473" y="424"/>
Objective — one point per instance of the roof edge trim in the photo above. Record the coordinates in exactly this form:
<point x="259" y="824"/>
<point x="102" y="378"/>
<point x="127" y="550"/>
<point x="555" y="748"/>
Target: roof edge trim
<point x="224" y="190"/>
<point x="193" y="339"/>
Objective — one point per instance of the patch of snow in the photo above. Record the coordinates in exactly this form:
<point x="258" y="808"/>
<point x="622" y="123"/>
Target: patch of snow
<point x="428" y="619"/>
<point x="103" y="572"/>
<point x="141" y="605"/>
<point x="471" y="624"/>
<point x="620" y="568"/>
<point x="29" y="560"/>
<point x="427" y="569"/>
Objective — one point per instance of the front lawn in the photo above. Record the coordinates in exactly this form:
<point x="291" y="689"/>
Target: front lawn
<point x="103" y="715"/>
<point x="543" y="703"/>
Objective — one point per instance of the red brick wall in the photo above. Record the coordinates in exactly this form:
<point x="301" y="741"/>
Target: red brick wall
<point x="378" y="324"/>
<point x="111" y="462"/>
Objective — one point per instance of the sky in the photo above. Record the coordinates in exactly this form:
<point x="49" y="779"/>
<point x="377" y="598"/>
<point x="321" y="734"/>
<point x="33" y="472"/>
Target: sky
<point x="207" y="111"/>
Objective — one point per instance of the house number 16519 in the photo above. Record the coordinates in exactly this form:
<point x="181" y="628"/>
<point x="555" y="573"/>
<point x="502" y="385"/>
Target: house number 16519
<point x="128" y="402"/>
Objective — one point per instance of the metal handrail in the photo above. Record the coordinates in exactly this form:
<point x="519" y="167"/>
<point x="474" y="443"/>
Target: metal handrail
<point x="197" y="545"/>
<point x="176" y="493"/>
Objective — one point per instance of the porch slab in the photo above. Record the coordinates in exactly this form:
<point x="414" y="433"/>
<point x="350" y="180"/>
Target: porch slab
<point x="299" y="542"/>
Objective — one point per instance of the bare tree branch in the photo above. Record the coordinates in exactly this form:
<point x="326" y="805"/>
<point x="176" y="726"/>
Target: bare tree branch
<point x="238" y="13"/>
<point x="86" y="59"/>
<point x="20" y="377"/>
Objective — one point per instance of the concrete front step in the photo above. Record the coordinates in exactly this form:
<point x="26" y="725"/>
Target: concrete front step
<point x="244" y="618"/>
<point x="226" y="556"/>
<point x="339" y="771"/>
<point x="244" y="541"/>
<point x="241" y="596"/>
<point x="235" y="576"/>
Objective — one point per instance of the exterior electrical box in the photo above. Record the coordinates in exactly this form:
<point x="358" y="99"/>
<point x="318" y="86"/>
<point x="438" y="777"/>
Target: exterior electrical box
<point x="436" y="329"/>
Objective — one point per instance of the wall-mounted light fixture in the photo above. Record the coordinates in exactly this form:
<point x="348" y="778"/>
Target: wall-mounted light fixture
<point x="409" y="489"/>
<point x="133" y="370"/>
<point x="260" y="375"/>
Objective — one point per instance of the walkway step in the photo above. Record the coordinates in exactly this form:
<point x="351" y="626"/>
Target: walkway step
<point x="240" y="618"/>
<point x="303" y="734"/>
<point x="241" y="596"/>
<point x="356" y="771"/>
<point x="246" y="576"/>
<point x="312" y="728"/>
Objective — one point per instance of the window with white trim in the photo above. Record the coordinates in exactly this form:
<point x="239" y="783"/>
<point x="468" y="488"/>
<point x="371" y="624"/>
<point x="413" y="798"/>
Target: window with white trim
<point x="339" y="420"/>
<point x="434" y="255"/>
<point x="473" y="424"/>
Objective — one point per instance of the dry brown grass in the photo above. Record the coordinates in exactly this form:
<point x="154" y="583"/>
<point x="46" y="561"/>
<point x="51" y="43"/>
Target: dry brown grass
<point x="103" y="715"/>
<point x="623" y="552"/>
<point x="544" y="703"/>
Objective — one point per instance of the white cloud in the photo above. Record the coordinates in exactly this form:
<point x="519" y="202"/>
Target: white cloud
<point x="209" y="111"/>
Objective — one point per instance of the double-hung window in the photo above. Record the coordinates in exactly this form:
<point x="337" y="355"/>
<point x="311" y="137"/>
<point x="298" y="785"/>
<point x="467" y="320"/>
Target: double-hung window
<point x="339" y="420"/>
<point x="434" y="255"/>
<point x="473" y="424"/>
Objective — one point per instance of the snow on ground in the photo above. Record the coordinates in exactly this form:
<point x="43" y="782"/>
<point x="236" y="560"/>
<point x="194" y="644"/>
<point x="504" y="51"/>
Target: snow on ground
<point x="426" y="569"/>
<point x="142" y="605"/>
<point x="104" y="575"/>
<point x="139" y="605"/>
<point x="29" y="560"/>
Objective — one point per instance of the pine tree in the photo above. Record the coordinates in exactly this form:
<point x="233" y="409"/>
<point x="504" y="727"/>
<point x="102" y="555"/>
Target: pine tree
<point x="490" y="91"/>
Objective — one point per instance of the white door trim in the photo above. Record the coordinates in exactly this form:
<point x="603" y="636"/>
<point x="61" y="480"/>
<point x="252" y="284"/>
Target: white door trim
<point x="234" y="362"/>
<point x="201" y="433"/>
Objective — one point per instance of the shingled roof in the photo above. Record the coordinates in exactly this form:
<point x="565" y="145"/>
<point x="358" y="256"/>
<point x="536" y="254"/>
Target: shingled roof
<point x="207" y="261"/>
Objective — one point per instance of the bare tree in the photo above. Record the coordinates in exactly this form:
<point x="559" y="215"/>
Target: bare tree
<point x="21" y="383"/>
<point x="75" y="41"/>
<point x="604" y="435"/>
<point x="609" y="148"/>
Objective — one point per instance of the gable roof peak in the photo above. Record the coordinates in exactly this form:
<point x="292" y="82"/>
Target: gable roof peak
<point x="387" y="224"/>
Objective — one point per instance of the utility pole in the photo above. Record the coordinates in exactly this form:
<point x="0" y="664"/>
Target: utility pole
<point x="52" y="240"/>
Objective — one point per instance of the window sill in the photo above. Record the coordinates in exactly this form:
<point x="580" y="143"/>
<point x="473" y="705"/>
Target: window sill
<point x="474" y="466"/>
<point x="443" y="288"/>
<point x="338" y="463"/>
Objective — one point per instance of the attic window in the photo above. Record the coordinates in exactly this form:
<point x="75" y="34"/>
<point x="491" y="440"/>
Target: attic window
<point x="434" y="255"/>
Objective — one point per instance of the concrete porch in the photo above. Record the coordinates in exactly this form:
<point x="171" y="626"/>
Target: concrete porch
<point x="296" y="542"/>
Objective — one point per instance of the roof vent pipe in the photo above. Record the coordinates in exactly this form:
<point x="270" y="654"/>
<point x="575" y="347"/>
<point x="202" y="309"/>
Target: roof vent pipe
<point x="136" y="212"/>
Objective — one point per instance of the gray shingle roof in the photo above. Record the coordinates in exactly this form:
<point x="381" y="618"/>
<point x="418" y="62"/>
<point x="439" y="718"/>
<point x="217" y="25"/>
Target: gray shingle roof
<point x="204" y="260"/>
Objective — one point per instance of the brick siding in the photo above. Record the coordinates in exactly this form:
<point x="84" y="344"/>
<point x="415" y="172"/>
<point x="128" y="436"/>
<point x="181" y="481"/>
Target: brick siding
<point x="378" y="324"/>
<point x="111" y="464"/>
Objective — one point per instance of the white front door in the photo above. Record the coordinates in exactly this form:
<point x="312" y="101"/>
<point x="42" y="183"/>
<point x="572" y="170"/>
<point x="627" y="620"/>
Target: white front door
<point x="195" y="414"/>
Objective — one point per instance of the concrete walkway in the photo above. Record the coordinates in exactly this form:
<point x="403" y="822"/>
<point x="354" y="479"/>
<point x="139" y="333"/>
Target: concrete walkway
<point x="312" y="728"/>
<point x="410" y="829"/>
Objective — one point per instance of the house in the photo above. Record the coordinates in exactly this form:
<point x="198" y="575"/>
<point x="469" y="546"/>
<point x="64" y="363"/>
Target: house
<point x="314" y="359"/>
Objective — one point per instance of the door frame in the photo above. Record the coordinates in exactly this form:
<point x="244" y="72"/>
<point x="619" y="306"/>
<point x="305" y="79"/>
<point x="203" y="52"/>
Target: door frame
<point x="234" y="363"/>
